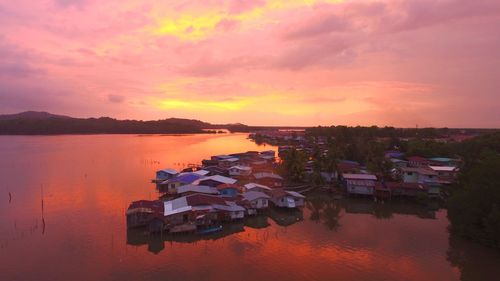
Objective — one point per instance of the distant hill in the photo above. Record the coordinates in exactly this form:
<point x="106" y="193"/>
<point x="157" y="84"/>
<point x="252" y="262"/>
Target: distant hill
<point x="44" y="123"/>
<point x="31" y="115"/>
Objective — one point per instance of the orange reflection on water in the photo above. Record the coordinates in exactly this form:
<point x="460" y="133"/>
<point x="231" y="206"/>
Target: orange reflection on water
<point x="88" y="181"/>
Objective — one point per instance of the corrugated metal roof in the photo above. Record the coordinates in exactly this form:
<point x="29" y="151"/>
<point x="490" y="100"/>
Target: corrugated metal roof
<point x="197" y="188"/>
<point x="169" y="171"/>
<point x="219" y="178"/>
<point x="239" y="167"/>
<point x="231" y="207"/>
<point x="202" y="172"/>
<point x="252" y="195"/>
<point x="186" y="178"/>
<point x="295" y="194"/>
<point x="176" y="206"/>
<point x="223" y="156"/>
<point x="359" y="177"/>
<point x="254" y="185"/>
<point x="443" y="168"/>
<point x="423" y="171"/>
<point x="204" y="199"/>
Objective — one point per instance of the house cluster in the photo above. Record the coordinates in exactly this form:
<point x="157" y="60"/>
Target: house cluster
<point x="411" y="176"/>
<point x="277" y="136"/>
<point x="225" y="188"/>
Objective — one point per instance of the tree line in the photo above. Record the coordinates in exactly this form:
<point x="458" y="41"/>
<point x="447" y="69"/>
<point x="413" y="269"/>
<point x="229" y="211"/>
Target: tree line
<point x="474" y="202"/>
<point x="103" y="125"/>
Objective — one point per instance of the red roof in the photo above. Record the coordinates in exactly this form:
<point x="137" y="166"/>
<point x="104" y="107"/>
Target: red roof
<point x="146" y="206"/>
<point x="417" y="159"/>
<point x="227" y="185"/>
<point x="277" y="193"/>
<point x="154" y="205"/>
<point x="203" y="199"/>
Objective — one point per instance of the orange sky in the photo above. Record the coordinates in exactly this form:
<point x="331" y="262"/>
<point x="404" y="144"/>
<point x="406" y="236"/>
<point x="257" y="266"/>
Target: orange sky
<point x="275" y="62"/>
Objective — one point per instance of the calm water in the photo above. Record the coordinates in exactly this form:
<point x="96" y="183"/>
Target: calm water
<point x="87" y="183"/>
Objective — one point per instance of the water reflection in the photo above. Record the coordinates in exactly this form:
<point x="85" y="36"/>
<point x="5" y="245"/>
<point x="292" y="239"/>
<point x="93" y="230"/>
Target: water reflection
<point x="155" y="242"/>
<point x="474" y="261"/>
<point x="322" y="208"/>
<point x="89" y="181"/>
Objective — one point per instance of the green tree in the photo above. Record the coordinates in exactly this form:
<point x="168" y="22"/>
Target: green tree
<point x="473" y="207"/>
<point x="293" y="165"/>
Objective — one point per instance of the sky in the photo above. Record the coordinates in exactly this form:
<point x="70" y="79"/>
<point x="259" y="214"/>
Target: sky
<point x="296" y="62"/>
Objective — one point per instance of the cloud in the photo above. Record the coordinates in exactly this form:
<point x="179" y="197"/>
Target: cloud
<point x="70" y="3"/>
<point x="116" y="98"/>
<point x="317" y="25"/>
<point x="207" y="66"/>
<point x="239" y="6"/>
<point x="17" y="70"/>
<point x="15" y="61"/>
<point x="226" y="25"/>
<point x="327" y="51"/>
<point x="294" y="61"/>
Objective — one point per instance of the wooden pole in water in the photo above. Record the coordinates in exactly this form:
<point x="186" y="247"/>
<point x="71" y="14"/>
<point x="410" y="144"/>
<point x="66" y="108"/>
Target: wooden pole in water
<point x="43" y="219"/>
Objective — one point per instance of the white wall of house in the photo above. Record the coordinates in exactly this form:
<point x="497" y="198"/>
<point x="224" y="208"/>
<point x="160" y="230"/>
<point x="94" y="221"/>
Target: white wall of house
<point x="410" y="177"/>
<point x="360" y="189"/>
<point x="289" y="202"/>
<point x="418" y="177"/>
<point x="237" y="215"/>
<point x="260" y="203"/>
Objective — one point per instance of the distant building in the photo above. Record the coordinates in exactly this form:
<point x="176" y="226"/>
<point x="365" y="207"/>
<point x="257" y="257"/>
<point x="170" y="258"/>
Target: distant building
<point x="444" y="161"/>
<point x="238" y="171"/>
<point x="228" y="162"/>
<point x="165" y="174"/>
<point x="257" y="200"/>
<point x="189" y="189"/>
<point x="417" y="161"/>
<point x="215" y="181"/>
<point x="405" y="189"/>
<point x="445" y="173"/>
<point x="142" y="212"/>
<point x="419" y="175"/>
<point x="286" y="199"/>
<point x="229" y="190"/>
<point x="362" y="184"/>
<point x="255" y="187"/>
<point x="268" y="179"/>
<point x="171" y="185"/>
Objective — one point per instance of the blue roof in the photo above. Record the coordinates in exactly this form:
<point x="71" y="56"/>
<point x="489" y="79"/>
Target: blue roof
<point x="349" y="162"/>
<point x="441" y="159"/>
<point x="394" y="154"/>
<point x="187" y="178"/>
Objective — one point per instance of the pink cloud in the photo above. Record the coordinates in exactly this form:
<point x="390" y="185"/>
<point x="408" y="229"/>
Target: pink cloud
<point x="358" y="57"/>
<point x="227" y="25"/>
<point x="239" y="6"/>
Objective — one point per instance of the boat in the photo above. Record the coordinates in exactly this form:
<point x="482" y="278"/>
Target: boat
<point x="210" y="229"/>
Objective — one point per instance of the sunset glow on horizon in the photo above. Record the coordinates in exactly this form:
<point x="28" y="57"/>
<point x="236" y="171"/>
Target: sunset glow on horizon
<point x="276" y="62"/>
